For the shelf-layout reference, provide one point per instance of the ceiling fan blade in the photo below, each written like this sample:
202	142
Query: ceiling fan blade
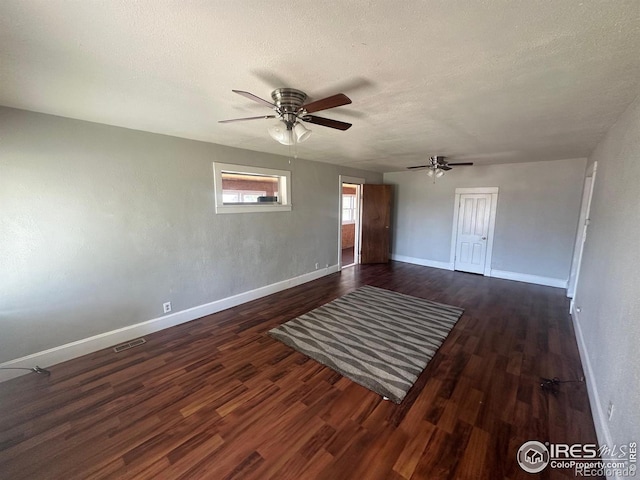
460	164
255	98
330	102
446	168
246	118
418	166
326	122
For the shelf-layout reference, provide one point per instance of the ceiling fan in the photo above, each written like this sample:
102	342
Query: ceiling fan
290	109
438	165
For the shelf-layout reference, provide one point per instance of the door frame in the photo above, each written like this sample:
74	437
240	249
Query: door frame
358	233
492	224
581	234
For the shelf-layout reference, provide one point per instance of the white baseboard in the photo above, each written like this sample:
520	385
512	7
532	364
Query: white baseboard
523	277
599	417
422	261
518	277
78	348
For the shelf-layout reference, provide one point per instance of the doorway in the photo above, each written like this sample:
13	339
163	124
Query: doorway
474	221
350	221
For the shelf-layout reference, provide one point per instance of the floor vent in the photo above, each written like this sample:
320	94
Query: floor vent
128	345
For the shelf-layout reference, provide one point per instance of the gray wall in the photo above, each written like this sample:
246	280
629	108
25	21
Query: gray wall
536	220
608	286
101	225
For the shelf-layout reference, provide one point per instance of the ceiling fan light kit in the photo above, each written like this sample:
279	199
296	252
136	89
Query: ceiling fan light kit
280	133
288	103
302	132
437	173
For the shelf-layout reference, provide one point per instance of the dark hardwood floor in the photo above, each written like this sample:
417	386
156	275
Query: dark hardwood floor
347	256
217	398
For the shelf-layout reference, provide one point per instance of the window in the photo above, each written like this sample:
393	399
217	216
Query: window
231	197
348	208
240	189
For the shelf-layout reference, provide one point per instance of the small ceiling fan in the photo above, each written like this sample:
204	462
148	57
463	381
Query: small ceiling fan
290	108
438	165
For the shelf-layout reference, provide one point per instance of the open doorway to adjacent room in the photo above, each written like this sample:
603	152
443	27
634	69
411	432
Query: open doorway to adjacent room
349	241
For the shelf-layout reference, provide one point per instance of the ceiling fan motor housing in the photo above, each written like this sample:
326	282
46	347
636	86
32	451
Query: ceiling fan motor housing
289	101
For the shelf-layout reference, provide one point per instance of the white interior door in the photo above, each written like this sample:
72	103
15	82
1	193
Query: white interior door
581	235
473	231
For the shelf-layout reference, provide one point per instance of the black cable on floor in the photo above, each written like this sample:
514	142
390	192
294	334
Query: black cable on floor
553	384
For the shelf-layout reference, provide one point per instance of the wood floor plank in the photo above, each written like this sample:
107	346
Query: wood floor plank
219	398
408	459
471	465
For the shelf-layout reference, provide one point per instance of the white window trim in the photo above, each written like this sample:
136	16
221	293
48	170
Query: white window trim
284	189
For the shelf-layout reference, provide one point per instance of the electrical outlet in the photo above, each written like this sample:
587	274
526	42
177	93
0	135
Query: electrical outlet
610	410
166	307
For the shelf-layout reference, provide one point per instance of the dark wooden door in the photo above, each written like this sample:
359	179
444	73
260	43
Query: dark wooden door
376	221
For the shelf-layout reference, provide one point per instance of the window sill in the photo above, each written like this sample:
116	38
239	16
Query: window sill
253	208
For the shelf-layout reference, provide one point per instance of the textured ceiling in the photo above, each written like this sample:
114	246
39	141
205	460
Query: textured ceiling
488	81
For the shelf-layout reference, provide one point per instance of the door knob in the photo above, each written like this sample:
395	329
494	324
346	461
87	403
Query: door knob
484	238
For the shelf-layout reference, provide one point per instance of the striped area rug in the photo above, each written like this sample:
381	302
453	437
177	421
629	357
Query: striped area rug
377	338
